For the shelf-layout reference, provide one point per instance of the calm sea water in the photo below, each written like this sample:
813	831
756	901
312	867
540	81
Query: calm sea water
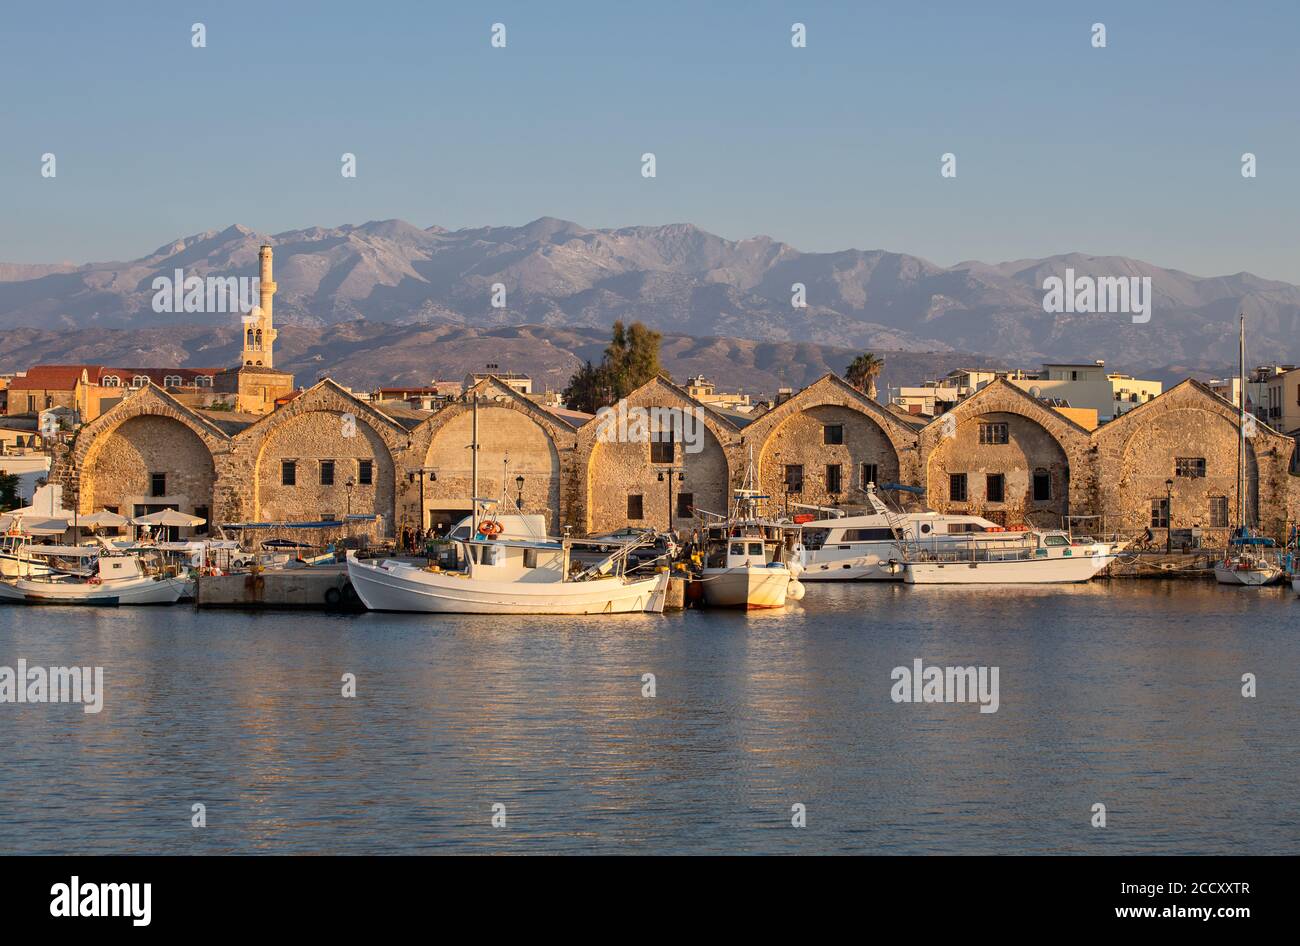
1123	693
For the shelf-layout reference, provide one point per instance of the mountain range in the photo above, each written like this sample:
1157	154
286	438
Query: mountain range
391	283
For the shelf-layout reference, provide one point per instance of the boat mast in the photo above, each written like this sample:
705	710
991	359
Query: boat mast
1241	427
473	452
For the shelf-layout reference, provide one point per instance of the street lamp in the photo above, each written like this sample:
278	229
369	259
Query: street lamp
519	500
1169	517
680	472
350	485
419	475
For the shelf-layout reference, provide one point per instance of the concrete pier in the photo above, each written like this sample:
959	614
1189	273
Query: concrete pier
320	587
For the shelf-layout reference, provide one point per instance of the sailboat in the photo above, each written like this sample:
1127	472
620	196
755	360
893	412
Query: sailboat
1248	560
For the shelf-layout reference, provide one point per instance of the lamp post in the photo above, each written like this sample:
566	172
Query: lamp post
419	475
1169	517
350	485
519	499
680	473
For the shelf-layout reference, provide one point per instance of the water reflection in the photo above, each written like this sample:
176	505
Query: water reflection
1127	693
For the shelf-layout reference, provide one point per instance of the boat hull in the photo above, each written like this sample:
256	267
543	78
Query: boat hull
404	588
858	568
746	587
109	594
1247	577
1063	570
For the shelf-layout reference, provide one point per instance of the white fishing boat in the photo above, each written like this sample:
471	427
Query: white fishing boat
743	568
507	576
750	561
17	561
1031	557
123	578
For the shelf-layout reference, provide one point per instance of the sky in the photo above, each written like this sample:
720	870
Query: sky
1134	149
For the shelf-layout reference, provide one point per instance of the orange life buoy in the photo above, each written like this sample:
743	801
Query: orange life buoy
490	527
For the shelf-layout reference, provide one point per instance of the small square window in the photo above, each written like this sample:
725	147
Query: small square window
634	506
326	472
833	434
995	487
288	473
366	472
994	433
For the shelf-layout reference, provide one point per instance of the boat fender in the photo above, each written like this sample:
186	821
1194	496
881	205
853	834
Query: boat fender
795	590
333	596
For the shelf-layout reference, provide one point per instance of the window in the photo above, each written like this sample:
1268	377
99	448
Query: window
1189	466
111	381
172	381
326	472
756	549
994	433
995	487
634	510
833	434
203	513
288	472
661	448
833	478
139	381
366	472
204	381
31	403
329	517
1042	486
157	484
1218	512
794	477
867	535
870	472
1160	513
685	505
957	487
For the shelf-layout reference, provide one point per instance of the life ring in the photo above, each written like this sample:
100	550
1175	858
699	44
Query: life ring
489	527
94	580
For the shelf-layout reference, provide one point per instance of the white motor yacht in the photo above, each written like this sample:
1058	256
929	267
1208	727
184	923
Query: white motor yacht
118	578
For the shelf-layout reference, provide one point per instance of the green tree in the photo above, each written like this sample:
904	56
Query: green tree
8	491
631	359
587	389
863	373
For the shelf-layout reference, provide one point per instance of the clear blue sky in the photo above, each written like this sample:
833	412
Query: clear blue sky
1133	149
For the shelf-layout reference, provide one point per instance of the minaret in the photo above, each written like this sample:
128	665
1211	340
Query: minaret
259	325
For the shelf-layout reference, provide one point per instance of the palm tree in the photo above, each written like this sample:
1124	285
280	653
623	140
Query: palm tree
863	371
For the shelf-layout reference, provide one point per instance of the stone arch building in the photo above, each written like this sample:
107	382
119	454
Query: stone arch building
517	439
1006	455
1174	459
323	455
625	477
826	443
147	453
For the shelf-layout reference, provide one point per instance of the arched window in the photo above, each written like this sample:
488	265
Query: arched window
172	381
204	380
111	381
258	346
139	381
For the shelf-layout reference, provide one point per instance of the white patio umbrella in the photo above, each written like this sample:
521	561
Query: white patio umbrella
44	526
169	517
104	517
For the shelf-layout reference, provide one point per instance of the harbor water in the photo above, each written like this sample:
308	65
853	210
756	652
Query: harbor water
503	734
